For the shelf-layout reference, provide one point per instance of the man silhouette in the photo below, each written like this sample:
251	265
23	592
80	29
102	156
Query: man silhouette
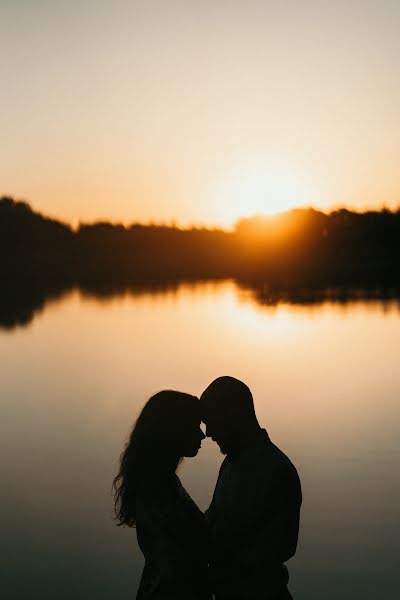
254	514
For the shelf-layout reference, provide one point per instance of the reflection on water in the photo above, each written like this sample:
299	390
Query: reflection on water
20	303
326	384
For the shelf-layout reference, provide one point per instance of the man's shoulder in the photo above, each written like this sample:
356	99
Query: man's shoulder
273	463
225	466
280	458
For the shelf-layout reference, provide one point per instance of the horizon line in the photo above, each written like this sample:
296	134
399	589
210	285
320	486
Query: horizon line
174	223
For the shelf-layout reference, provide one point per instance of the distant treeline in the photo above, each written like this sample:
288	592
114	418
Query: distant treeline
299	248
300	256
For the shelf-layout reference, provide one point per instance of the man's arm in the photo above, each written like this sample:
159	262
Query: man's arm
265	526
275	542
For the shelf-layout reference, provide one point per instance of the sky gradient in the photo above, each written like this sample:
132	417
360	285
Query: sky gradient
199	112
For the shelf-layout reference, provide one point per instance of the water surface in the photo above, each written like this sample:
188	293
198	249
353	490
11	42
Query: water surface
326	383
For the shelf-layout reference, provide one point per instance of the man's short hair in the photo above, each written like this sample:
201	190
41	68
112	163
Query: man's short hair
227	392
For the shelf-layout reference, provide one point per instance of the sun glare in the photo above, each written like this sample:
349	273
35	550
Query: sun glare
260	191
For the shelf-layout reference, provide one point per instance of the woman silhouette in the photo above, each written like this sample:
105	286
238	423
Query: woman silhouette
170	528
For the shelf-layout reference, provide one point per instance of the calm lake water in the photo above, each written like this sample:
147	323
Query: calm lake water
326	383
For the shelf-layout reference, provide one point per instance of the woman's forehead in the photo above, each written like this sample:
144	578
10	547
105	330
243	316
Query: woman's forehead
194	414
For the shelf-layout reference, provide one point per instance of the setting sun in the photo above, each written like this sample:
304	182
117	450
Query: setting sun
261	189
200	302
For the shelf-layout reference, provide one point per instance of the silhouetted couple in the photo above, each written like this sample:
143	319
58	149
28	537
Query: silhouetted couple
237	549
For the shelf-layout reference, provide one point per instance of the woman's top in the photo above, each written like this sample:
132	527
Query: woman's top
172	535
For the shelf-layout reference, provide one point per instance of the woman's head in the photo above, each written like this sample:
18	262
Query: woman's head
169	426
167	429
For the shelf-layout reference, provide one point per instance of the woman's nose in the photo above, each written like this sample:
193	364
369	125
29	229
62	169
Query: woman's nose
202	435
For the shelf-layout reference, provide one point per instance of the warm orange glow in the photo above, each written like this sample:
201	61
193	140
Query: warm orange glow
264	189
193	115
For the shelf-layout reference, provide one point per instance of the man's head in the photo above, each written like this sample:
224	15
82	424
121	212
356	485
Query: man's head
228	413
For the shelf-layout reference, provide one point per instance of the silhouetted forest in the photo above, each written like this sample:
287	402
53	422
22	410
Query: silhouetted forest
295	251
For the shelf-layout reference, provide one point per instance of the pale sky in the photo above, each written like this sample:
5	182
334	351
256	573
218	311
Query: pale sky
199	111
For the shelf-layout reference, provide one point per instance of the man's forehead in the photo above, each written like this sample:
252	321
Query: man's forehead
210	411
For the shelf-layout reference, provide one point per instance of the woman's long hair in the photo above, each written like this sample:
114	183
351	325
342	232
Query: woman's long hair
154	447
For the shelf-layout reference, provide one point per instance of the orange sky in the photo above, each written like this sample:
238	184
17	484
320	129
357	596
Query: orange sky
199	112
